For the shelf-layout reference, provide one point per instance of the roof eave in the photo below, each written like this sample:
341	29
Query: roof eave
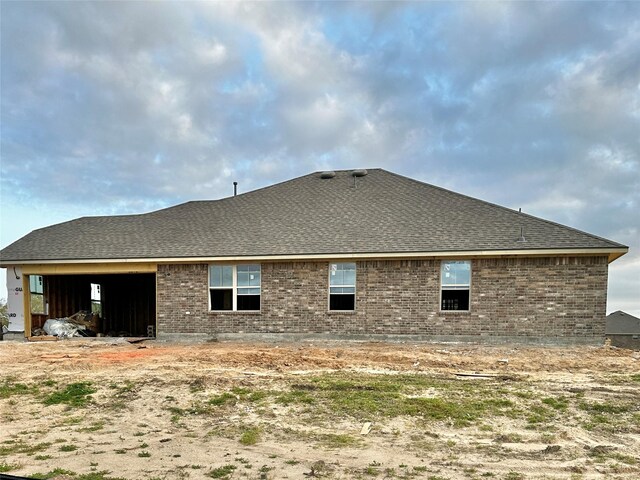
611	253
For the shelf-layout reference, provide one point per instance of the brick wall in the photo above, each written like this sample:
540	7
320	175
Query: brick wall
512	297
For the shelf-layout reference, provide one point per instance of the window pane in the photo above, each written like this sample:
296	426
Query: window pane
227	276
340	290
221	299
248	291
215	276
456	273
35	284
37	303
243	279
248	302
342	274
349	277
254	278
455	300
335	275
342	302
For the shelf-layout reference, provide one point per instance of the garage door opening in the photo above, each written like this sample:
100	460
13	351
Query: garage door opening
116	305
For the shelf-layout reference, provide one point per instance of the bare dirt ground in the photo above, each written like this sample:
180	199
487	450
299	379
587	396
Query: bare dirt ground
92	410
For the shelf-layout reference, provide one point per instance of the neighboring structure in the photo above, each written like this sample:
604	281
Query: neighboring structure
348	253
623	330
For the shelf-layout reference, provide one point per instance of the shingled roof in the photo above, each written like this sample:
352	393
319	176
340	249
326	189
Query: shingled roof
383	213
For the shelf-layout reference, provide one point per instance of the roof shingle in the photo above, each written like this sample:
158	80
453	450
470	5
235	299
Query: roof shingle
384	213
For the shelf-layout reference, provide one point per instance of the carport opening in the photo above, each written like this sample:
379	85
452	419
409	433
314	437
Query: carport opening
119	305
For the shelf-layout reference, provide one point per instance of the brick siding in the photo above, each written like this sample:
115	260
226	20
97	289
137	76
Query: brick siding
511	297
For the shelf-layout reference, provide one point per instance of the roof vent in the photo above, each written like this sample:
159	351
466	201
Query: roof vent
359	173
325	175
521	239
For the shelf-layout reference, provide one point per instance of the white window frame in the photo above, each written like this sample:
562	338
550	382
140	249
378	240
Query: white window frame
355	281
461	286
234	287
38	280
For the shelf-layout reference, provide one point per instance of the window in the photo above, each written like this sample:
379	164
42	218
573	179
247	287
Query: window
342	286
234	287
96	299
36	289
455	280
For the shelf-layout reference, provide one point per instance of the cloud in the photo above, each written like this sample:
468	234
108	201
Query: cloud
113	107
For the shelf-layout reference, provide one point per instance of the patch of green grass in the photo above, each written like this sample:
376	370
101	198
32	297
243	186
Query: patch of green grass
332	440
10	448
627	459
8	388
72	421
514	476
94	427
75	395
144	454
539	414
250	436
635	377
224	471
371	471
460	412
68	448
560	403
367	396
42	457
603	407
248	395
7	467
53	473
241	391
295	397
102	475
509	438
223	399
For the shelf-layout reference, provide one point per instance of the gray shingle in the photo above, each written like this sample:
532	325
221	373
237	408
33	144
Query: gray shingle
307	215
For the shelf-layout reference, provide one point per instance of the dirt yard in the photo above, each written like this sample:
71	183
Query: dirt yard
92	410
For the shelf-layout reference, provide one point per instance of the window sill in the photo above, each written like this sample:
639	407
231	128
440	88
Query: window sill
235	312
455	311
341	312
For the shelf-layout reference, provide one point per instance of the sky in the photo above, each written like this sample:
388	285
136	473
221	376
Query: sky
127	107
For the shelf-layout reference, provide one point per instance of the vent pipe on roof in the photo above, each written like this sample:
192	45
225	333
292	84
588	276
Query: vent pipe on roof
235	188
521	239
357	173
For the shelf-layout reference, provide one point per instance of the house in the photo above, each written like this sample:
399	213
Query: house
345	254
623	330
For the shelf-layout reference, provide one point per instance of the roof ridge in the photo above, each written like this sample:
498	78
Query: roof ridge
266	187
502	207
215	200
